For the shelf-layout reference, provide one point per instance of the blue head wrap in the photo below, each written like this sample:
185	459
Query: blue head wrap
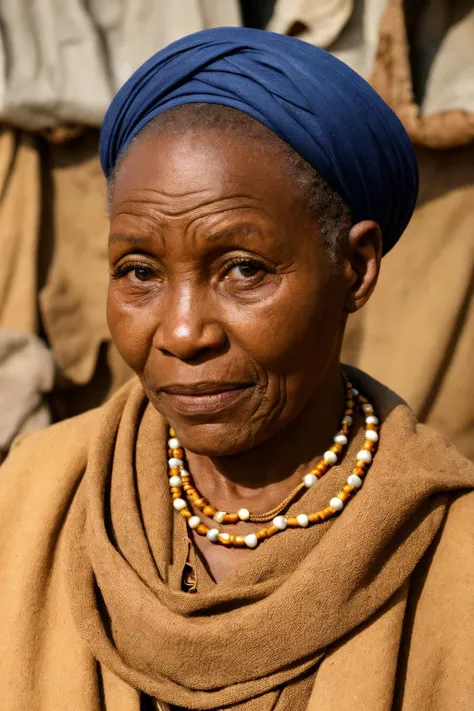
313	101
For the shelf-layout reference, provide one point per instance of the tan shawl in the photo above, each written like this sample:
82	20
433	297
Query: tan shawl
370	611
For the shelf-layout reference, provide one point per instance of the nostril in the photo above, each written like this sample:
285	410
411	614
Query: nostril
202	356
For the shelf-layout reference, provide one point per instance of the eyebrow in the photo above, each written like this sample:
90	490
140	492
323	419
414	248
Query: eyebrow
244	230
134	240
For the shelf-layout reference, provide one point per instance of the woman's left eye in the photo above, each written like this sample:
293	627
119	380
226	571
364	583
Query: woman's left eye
245	270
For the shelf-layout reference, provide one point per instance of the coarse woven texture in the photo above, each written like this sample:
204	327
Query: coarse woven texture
94	614
314	102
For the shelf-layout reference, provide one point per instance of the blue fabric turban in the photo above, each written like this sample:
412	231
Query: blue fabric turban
313	101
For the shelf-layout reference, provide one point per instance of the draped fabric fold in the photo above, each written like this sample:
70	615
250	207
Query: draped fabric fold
130	552
99	525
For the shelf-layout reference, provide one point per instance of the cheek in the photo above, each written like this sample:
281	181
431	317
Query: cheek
297	332
132	328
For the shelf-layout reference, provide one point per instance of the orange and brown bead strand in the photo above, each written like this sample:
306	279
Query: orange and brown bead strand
280	523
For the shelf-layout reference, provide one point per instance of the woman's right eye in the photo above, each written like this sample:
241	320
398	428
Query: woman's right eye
134	272
141	273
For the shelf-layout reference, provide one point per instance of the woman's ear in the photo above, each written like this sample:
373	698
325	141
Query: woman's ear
363	263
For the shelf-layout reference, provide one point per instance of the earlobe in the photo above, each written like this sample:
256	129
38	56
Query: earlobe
363	263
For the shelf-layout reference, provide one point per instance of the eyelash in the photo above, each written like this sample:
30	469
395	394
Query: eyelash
237	261
124	269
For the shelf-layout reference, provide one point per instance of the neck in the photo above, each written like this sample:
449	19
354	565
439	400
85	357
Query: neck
263	476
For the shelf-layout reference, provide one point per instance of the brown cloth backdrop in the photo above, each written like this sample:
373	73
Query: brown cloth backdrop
417	332
74	275
20	199
53	271
371	607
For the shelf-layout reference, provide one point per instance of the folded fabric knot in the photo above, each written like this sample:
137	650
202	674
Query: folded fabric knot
313	101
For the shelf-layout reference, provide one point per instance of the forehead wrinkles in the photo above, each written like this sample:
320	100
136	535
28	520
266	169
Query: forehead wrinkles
174	204
161	209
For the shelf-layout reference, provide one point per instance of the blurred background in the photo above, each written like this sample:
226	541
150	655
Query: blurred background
61	61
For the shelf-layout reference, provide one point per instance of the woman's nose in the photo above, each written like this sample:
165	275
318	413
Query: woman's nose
188	326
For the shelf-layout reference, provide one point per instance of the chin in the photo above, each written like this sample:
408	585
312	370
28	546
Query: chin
215	439
215	430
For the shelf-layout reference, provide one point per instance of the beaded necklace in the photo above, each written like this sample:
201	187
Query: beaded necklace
185	494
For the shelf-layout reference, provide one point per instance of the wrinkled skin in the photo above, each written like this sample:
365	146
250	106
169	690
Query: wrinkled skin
219	274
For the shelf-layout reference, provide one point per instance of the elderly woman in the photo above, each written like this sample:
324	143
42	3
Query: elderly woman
247	526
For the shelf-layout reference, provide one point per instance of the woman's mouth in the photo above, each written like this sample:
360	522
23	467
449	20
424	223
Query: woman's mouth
203	398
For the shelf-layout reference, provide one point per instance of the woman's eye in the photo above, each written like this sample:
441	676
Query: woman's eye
244	270
141	273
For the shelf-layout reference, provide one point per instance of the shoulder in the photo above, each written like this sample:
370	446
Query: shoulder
455	546
438	639
443	583
415	445
37	484
64	442
48	451
58	440
44	468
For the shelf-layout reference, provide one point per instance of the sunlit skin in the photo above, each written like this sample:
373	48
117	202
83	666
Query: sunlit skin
221	279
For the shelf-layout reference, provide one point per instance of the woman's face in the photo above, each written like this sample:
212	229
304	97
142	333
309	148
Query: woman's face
223	297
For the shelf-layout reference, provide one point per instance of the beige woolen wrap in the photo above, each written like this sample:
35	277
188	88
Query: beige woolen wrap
371	610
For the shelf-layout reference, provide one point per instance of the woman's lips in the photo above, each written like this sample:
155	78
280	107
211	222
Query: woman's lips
203	402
